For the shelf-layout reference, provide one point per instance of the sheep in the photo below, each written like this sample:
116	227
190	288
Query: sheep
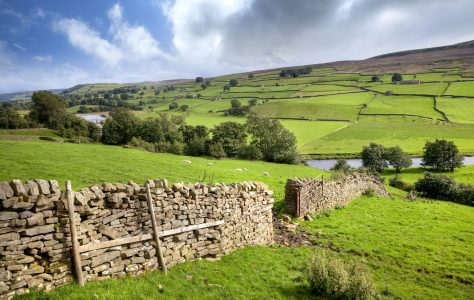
266	174
187	161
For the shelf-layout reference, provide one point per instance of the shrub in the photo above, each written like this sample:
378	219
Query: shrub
397	182
173	105
331	277
443	187
196	147
250	152
217	151
369	192
435	186
337	175
141	144
465	194
342	166
174	148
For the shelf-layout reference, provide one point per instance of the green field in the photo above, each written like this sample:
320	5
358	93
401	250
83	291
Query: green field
394	238
434	89
461	89
411	105
411	175
87	164
421	249
458	110
326	94
408	133
29	132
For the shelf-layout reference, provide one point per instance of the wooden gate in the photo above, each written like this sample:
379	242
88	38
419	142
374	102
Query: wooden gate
78	249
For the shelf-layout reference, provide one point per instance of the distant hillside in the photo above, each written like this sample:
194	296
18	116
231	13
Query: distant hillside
465	45
24	95
409	61
80	88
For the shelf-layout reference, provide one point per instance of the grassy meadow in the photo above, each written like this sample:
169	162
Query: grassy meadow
88	164
354	109
421	249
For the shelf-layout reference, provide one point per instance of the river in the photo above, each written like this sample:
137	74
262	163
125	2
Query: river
93	118
327	164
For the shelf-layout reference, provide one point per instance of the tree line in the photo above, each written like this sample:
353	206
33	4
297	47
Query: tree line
49	110
269	140
442	155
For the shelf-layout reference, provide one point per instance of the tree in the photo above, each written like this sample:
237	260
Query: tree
276	143
442	155
184	107
11	119
226	88
397	77
398	159
199	79
48	109
151	131
237	109
375	78
250	76
233	82
173	105
120	127
190	132
373	157
231	135
252	102
203	86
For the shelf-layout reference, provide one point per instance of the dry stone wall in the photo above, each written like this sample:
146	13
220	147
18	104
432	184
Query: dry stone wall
307	195
35	243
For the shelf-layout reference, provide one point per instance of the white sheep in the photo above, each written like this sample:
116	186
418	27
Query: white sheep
187	161
239	170
266	174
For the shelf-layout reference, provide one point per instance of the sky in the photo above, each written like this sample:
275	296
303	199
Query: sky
46	44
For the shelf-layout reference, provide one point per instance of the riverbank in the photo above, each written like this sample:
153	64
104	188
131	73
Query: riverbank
327	164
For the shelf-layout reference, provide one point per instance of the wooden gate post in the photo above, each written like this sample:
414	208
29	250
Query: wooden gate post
156	234
75	243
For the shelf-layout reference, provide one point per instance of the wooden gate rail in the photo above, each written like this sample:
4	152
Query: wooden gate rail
78	249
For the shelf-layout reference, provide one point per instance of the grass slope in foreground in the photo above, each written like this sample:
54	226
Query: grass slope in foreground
420	250
86	164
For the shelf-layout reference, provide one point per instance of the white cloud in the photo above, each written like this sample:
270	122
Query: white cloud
129	44
19	47
43	59
136	41
88	40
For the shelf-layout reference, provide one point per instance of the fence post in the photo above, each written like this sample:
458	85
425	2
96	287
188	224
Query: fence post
75	243
156	235
322	186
